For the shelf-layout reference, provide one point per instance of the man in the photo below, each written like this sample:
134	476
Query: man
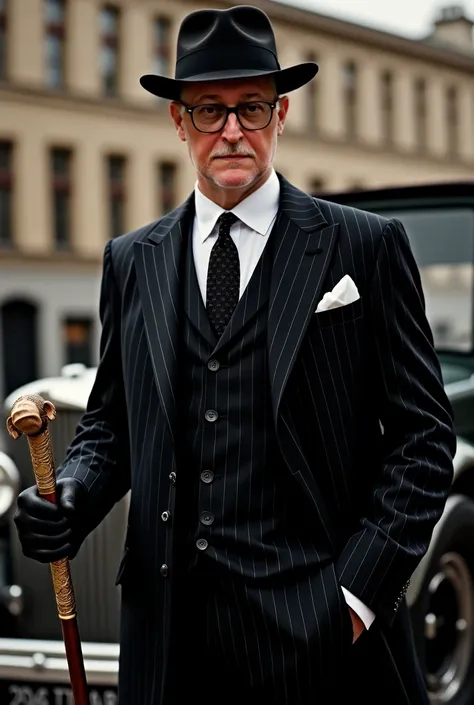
269	392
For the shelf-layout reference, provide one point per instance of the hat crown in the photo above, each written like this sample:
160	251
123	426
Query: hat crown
237	27
221	45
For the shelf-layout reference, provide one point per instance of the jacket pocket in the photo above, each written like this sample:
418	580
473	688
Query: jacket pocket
337	316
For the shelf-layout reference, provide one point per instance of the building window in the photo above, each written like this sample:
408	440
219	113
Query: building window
18	348
316	186
117	195
452	120
162	46
387	106
61	190
167	173
312	99
109	50
3	38
55	33
77	339
6	193
349	77
421	113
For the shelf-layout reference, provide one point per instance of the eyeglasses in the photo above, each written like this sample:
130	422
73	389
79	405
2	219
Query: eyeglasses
212	117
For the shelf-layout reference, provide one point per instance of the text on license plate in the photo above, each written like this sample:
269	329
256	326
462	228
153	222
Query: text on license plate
56	695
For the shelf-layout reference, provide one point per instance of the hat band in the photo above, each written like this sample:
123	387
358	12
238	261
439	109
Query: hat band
237	58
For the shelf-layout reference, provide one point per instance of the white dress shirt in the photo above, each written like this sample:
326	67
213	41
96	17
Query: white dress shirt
256	215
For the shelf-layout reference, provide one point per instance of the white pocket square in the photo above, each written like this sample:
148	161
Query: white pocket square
345	292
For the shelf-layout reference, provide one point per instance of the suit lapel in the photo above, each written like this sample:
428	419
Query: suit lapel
303	247
158	265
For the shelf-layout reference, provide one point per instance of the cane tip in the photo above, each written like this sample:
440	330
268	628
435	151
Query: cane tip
29	415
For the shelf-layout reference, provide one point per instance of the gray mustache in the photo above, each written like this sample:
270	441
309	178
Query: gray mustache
231	153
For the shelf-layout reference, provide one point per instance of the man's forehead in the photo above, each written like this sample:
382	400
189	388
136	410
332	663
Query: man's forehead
232	89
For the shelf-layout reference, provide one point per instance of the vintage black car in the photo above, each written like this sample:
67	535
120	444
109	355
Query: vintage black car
439	219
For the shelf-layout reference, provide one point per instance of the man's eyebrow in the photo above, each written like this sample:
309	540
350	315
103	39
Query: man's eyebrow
206	97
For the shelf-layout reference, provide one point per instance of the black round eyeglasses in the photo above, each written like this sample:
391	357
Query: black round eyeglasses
212	117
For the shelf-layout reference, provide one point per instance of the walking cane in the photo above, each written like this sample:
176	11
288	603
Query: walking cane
30	416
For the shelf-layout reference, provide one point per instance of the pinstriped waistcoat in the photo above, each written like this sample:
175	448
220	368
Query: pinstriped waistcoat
244	515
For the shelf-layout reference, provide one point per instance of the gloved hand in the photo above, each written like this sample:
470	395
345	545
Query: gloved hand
48	531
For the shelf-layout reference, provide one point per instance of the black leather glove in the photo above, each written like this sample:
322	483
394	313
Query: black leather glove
48	531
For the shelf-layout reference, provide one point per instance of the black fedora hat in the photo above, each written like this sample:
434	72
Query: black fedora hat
215	45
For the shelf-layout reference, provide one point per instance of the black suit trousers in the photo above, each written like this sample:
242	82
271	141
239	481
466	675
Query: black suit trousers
197	672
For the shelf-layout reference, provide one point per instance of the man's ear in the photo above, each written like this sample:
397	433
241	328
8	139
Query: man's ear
177	115
283	105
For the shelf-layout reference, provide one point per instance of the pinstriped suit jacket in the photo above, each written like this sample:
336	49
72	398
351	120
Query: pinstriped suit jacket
356	394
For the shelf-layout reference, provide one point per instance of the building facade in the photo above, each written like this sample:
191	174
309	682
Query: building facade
86	153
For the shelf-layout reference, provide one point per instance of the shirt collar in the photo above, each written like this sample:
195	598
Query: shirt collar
257	211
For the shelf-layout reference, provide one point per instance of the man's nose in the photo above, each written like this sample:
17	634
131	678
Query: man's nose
232	131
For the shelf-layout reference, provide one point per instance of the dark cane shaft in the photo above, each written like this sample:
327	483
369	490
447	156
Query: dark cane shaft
30	415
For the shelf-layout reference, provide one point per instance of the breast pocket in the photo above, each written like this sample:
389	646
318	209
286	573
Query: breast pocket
340	315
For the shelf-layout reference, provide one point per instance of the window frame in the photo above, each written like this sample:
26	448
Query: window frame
452	98
167	191
117	193
387	105
110	41
7	186
421	112
4	40
56	31
162	45
350	70
62	193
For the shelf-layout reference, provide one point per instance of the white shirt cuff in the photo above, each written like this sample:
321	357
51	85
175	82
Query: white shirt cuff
361	610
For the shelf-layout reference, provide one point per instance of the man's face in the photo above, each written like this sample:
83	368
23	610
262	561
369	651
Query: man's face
234	157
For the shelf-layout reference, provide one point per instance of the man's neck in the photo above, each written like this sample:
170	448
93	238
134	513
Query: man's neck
229	198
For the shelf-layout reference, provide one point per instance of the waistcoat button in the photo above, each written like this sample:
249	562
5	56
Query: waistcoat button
172	477
207	518
211	415
165	516
207	476
202	544
164	570
213	365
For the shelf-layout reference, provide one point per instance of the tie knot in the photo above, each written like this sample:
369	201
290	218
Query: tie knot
226	220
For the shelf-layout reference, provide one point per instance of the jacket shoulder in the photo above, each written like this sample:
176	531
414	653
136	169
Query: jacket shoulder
350	217
139	235
121	247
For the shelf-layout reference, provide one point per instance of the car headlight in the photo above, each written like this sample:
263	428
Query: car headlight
9	483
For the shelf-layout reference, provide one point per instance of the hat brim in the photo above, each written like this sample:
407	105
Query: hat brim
286	80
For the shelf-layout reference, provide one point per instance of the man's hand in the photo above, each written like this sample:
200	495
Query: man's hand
48	531
357	625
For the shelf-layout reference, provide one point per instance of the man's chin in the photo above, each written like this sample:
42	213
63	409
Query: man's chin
234	177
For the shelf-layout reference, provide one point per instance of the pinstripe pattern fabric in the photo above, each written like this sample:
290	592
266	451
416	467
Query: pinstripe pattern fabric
371	498
252	522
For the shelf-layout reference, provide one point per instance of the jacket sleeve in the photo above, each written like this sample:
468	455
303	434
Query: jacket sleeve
418	442
99	453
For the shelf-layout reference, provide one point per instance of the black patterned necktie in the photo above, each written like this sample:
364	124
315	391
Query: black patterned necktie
223	276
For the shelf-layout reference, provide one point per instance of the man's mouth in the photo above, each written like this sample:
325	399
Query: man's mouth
231	157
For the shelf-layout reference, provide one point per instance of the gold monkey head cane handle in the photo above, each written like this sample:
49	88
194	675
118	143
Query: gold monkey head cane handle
30	416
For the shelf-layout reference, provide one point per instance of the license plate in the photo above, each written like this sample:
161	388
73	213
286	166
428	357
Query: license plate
50	694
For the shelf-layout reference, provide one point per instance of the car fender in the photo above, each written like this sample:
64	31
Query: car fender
463	462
